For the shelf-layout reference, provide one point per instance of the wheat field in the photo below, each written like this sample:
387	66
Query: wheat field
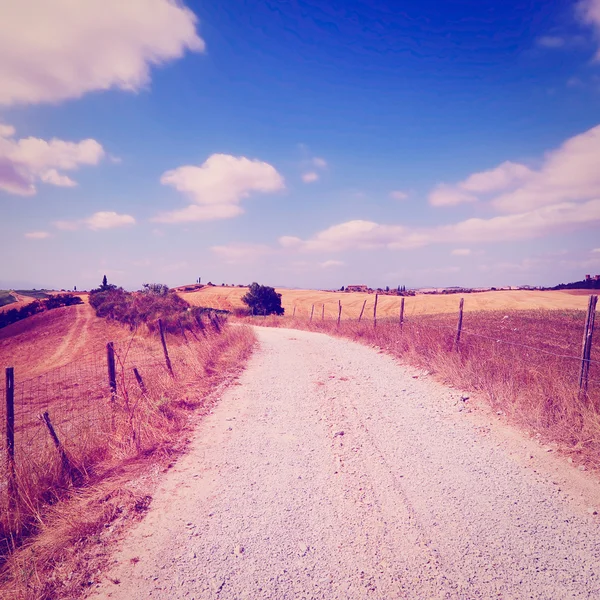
229	298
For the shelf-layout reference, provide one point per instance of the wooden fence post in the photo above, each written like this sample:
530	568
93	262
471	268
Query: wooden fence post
294	313
375	311
112	371
10	436
66	465
402	313
312	310
323	313
459	327
140	381
183	332
339	312
164	345
586	351
362	310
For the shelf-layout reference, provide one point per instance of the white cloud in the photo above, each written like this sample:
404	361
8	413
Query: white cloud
26	161
310	177
352	234
108	220
241	253
461	252
504	176
320	163
569	173
217	187
99	220
550	41
589	12
596	250
290	241
535	223
53	177
447	195
37	235
6	130
328	264
398	195
60	49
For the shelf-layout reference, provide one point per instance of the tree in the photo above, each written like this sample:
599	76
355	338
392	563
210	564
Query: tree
263	300
387	288
158	289
104	283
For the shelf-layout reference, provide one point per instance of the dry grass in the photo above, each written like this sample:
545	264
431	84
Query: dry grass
524	363
102	439
229	298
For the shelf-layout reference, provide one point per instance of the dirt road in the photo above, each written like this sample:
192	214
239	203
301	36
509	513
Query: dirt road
332	472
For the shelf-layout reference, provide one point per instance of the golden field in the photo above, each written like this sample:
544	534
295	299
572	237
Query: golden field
229	298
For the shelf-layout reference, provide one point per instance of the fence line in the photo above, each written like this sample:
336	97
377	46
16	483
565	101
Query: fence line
69	416
404	321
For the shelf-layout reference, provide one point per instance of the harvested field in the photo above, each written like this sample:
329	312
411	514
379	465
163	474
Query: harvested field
229	298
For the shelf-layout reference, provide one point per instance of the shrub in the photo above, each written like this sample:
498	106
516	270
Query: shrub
155	301
263	300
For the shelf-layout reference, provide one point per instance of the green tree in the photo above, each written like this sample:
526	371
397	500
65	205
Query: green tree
104	283
263	300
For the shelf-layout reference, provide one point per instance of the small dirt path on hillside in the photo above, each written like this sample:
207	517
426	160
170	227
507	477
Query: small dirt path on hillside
333	472
74	342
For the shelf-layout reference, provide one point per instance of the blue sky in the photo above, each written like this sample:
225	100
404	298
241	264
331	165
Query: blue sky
301	144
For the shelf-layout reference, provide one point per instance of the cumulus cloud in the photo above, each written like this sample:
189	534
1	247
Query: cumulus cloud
448	195
217	187
26	161
99	220
461	252
589	13
37	235
239	253
504	176
352	234
320	163
52	51
535	223
398	195
53	177
310	177
550	41
328	264
569	173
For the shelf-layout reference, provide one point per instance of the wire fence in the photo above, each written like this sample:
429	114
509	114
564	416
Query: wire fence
536	344
58	425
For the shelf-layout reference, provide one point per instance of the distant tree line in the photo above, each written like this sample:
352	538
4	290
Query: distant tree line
37	306
584	284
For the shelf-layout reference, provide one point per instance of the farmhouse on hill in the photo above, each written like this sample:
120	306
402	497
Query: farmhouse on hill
357	288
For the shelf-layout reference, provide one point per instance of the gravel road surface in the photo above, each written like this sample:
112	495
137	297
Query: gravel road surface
331	471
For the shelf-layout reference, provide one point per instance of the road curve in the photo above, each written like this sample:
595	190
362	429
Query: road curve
331	472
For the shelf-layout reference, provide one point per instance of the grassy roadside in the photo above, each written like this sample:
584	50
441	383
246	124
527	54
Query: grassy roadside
523	363
69	529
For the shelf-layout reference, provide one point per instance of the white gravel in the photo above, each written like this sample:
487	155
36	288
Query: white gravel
331	472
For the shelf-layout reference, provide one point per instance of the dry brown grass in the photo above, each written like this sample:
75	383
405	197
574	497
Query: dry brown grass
229	298
102	439
524	363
